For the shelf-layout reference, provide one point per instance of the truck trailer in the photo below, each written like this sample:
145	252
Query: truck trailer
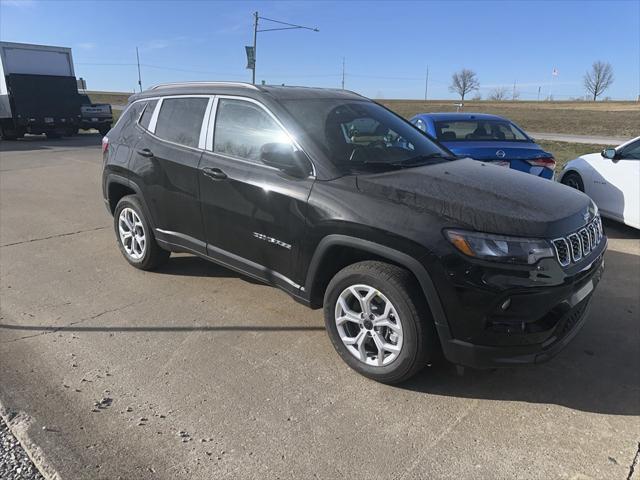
38	91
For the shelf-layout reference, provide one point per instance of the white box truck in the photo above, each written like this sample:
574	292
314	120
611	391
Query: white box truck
38	91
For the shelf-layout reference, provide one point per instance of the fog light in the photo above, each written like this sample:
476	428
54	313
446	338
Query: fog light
506	304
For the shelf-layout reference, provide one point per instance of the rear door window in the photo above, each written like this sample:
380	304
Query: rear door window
180	120
148	113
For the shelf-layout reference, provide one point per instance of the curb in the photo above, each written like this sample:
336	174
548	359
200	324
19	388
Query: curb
19	424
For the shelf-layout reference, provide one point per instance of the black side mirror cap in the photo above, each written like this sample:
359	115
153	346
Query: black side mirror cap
286	158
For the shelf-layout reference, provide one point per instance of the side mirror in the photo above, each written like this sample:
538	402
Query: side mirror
285	158
609	153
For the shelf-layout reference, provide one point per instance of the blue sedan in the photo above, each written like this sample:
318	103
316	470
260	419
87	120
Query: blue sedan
488	138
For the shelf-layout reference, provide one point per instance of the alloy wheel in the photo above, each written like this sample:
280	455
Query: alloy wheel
368	325
132	234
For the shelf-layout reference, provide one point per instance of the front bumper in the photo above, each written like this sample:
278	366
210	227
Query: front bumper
554	315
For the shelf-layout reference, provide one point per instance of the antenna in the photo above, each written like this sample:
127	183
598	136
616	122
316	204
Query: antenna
139	77
426	85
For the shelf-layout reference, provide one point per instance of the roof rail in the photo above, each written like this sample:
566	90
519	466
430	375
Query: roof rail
205	84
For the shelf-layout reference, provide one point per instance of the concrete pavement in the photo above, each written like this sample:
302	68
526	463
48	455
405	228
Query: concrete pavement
194	372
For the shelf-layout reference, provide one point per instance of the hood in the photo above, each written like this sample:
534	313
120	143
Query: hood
485	197
487	150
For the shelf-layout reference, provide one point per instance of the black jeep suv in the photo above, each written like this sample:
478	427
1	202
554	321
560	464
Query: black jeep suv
346	206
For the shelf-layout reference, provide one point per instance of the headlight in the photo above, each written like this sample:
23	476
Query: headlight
499	248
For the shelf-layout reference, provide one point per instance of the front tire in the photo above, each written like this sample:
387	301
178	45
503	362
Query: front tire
379	322
573	180
135	236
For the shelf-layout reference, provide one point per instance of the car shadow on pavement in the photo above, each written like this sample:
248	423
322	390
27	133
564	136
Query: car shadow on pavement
194	266
41	142
163	329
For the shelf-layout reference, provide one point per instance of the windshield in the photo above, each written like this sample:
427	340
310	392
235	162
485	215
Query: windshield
479	131
362	135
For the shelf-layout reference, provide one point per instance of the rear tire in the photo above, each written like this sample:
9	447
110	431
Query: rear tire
135	235
7	134
392	338
573	180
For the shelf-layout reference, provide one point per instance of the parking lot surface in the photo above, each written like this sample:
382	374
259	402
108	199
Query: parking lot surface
196	372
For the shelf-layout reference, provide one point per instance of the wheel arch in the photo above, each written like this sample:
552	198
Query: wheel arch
325	263
117	186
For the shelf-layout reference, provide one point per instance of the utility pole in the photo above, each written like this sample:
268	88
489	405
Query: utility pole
288	26
342	73
513	95
426	85
139	77
255	44
539	93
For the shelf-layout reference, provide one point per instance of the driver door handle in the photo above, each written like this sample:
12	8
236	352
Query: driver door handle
145	152
214	173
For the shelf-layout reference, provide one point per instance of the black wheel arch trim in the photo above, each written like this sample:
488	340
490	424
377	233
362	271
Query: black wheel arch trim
398	257
112	178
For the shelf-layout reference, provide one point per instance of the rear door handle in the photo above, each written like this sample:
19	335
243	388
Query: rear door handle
145	152
214	173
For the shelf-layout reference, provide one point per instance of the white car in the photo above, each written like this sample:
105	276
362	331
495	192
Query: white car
611	179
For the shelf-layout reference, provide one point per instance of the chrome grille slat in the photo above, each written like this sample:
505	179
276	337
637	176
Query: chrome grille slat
577	245
562	251
586	241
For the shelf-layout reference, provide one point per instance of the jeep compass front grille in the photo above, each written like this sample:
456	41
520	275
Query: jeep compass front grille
577	245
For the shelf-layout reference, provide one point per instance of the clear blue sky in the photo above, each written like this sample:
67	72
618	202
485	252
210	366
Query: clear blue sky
387	45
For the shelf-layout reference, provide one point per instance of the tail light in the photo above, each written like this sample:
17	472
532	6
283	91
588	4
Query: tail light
548	162
105	145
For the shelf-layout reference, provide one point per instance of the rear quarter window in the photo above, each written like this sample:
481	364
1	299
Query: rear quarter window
147	114
180	120
124	126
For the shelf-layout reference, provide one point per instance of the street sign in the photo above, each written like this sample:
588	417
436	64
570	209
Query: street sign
251	57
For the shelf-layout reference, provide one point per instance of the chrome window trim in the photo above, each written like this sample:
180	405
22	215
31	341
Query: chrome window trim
212	125
154	118
205	125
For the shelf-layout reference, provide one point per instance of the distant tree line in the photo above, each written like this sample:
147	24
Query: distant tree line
596	80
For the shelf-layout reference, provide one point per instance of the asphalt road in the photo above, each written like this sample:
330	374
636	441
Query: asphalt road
194	372
572	138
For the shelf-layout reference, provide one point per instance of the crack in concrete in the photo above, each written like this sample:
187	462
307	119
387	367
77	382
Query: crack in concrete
634	463
53	236
48	330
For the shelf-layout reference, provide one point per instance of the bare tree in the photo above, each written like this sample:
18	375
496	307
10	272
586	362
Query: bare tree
598	79
498	94
463	82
